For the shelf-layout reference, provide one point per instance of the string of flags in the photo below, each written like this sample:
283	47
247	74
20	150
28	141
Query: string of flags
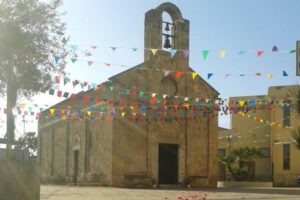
238	134
156	103
74	51
205	52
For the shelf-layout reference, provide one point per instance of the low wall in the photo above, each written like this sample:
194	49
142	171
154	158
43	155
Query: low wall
244	184
19	180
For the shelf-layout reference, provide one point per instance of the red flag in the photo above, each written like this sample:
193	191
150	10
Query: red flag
179	73
259	53
59	93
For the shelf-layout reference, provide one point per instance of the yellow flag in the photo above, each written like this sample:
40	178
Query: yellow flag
241	102
89	113
123	114
194	74
269	76
52	110
132	107
154	51
222	53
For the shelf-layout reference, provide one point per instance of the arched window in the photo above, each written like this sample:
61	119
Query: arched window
167	31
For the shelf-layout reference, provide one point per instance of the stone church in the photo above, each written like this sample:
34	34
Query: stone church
147	152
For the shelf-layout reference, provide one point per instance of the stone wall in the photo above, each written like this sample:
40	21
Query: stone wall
19	180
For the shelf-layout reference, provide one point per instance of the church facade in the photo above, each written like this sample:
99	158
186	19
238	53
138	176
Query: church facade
151	141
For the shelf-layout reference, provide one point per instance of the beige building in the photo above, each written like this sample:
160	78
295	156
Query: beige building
268	127
133	148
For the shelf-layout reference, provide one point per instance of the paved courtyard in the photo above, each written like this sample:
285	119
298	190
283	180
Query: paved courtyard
107	193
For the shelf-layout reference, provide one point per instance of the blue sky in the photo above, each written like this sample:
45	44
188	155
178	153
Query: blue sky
215	25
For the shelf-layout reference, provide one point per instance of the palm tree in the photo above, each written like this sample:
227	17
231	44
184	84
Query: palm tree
239	157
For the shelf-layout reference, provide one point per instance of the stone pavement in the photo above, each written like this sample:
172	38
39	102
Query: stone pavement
107	193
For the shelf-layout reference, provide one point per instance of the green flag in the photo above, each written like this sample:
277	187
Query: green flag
205	54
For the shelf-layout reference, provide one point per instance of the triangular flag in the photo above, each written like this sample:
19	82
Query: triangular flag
90	63
179	73
74	47
57	58
107	64
94	47
241	102
274	49
173	52
57	79
123	114
269	76
66	80
194	74
205	54
186	53
52	110
284	73
241	52
154	51
257	74
227	75
73	60
134	49
113	48
259	53
209	75
293	51
166	72
89	112
222	53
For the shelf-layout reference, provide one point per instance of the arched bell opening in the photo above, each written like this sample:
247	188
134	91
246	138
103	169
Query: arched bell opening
168	30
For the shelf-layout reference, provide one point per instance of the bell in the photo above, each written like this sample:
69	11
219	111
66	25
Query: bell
167	44
167	27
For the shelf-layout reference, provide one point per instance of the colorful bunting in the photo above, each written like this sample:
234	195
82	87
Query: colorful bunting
90	62
57	58
292	51
209	75
205	54
166	72
172	52
154	51
241	52
94	47
186	53
113	48
52	110
222	53
194	74
284	73
259	53
269	76
73	60
179	73
274	49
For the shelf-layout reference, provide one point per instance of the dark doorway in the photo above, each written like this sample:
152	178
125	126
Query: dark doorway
168	164
76	152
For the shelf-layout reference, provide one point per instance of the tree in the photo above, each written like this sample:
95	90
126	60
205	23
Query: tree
295	94
296	136
236	159
29	141
31	36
